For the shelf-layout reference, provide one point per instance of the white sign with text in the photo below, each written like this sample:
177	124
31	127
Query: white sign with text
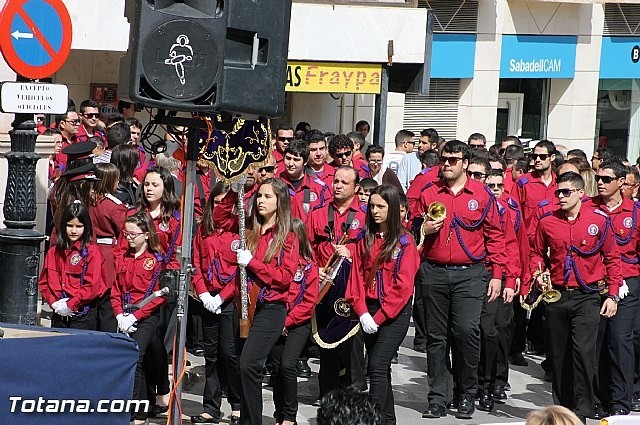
33	98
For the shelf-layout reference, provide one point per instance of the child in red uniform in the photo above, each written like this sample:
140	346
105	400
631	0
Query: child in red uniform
303	294
71	280
137	273
215	282
380	288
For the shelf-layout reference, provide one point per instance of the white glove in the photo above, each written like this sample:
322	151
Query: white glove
62	309
126	323
244	257
623	291
368	324
210	302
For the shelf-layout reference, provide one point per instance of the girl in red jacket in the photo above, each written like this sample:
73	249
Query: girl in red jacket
71	278
380	289
215	281
137	273
301	302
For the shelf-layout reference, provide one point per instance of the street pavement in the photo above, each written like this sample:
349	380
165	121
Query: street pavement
528	391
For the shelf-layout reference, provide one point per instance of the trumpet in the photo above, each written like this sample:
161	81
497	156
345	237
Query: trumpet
548	294
436	211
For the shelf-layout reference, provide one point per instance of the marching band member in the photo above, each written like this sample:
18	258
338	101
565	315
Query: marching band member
582	253
380	287
619	329
454	278
332	229
138	270
215	281
303	294
71	279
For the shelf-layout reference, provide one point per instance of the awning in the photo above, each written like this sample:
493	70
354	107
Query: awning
589	1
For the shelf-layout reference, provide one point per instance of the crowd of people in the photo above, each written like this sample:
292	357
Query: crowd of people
493	252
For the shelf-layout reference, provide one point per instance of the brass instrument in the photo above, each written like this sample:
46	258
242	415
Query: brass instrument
548	294
436	211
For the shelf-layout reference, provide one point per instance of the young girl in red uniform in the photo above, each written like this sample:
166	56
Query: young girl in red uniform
71	278
271	259
303	294
108	214
380	289
215	282
137	273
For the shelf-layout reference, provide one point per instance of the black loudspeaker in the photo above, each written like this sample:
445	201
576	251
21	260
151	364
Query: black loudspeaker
207	55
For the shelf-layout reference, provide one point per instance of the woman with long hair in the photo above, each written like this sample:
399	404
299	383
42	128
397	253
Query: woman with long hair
380	287
108	214
215	282
271	258
71	278
125	158
138	271
301	303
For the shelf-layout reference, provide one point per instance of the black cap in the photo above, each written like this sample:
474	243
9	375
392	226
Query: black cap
84	172
79	150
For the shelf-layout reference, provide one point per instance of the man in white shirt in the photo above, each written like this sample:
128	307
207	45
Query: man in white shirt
410	165
404	145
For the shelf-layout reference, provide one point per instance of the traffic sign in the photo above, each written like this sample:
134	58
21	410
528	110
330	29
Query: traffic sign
33	98
35	36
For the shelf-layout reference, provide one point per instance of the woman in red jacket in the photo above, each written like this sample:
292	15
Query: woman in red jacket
137	273
303	294
215	281
380	289
71	278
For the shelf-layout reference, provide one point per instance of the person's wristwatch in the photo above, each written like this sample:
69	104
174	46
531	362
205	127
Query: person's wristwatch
615	298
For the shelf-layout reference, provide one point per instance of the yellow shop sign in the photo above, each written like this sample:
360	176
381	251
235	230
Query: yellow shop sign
323	77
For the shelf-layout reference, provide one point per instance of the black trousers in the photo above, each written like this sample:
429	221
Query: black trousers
195	333
488	345
419	320
284	355
156	362
571	328
143	336
381	347
88	322
268	323
617	361
106	317
221	340
504	323
453	304
332	362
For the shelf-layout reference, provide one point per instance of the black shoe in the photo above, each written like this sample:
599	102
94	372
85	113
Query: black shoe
158	410
434	411
235	420
316	402
618	411
499	395
466	407
394	359
202	420
420	347
302	369
598	412
199	352
486	403
635	404
518	360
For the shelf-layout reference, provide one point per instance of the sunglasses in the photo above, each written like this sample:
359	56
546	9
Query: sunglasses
605	179
267	169
476	146
343	154
91	115
284	139
477	175
495	185
593	158
72	122
451	160
564	192
540	156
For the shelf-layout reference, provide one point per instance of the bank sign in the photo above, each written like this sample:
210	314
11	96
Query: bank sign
538	56
620	58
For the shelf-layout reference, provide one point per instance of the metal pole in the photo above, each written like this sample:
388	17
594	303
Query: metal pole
244	291
20	242
186	270
380	117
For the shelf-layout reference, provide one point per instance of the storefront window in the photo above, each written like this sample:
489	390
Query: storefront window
534	107
613	117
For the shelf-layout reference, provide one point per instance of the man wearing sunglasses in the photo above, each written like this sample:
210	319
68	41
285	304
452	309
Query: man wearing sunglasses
68	125
341	150
454	279
284	136
537	185
624	217
583	254
89	116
